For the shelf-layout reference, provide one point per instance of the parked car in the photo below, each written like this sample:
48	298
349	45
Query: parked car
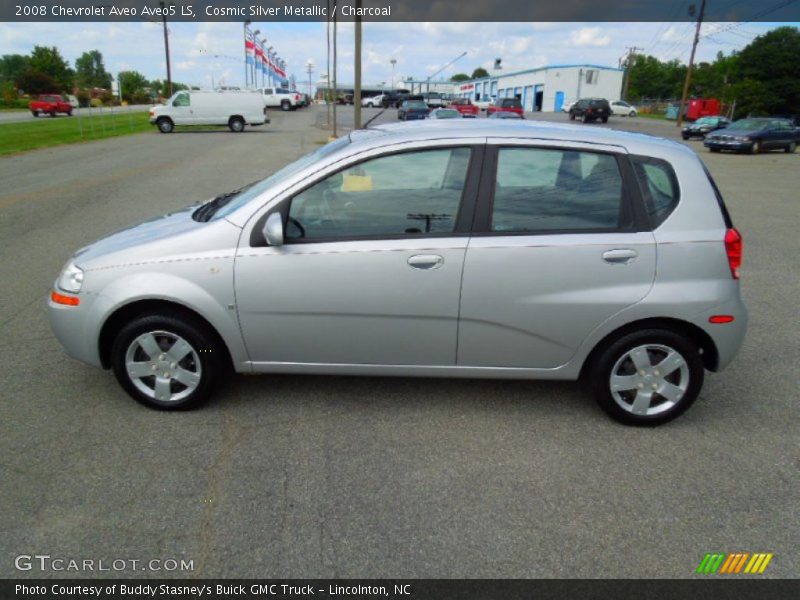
277	97
50	104
413	109
381	239
755	135
483	104
590	109
703	126
506	114
372	101
395	98
505	105
433	99
234	109
465	107
623	109
444	113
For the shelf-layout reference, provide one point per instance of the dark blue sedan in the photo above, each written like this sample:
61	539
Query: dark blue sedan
412	109
755	135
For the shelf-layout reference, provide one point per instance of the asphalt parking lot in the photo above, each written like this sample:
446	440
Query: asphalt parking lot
289	476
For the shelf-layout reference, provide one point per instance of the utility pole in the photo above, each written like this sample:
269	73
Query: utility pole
328	71
166	47
691	59
246	70
627	74
357	70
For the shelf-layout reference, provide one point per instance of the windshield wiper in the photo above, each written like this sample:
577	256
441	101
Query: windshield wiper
207	210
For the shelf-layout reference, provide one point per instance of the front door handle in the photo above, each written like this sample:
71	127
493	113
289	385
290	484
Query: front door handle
425	262
620	255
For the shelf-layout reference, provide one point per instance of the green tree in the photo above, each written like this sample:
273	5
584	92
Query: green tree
90	72
652	78
480	72
771	59
35	82
459	77
50	62
12	66
133	84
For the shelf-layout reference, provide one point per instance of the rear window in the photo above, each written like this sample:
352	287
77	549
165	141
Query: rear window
659	187
510	103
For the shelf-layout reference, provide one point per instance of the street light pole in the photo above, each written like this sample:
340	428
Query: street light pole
357	71
246	77
394	62
335	88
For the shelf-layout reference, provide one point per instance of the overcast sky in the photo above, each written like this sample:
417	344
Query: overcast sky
420	48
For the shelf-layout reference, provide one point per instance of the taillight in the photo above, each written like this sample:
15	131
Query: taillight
297	97
733	248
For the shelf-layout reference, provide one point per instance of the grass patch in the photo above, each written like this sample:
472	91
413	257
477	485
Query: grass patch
46	132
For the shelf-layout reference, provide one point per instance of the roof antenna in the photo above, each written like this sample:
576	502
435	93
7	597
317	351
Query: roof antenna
373	118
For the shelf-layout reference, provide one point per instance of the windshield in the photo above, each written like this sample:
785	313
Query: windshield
748	124
257	189
706	121
416	104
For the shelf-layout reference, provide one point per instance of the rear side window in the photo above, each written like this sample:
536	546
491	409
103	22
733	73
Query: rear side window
545	190
659	187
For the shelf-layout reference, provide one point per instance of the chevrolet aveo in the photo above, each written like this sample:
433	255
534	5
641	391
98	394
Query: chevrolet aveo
436	249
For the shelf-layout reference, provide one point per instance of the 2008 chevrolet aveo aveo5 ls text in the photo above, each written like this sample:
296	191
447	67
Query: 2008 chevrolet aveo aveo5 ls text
485	249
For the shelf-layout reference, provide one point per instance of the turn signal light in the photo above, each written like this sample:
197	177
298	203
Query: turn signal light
62	299
720	319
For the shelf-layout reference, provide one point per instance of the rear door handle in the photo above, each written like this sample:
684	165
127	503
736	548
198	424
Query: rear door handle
620	255
425	262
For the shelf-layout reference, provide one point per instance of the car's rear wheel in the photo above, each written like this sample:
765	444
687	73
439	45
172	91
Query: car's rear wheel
647	377
35	113
236	124
632	113
571	116
790	149
169	362
165	125
604	119
286	105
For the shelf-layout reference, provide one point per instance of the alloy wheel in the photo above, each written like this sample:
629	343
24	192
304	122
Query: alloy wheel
649	379
163	366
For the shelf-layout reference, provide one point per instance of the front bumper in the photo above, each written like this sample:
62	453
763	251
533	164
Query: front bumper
75	330
727	144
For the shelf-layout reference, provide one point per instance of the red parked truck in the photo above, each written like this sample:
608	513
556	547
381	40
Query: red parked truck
506	105
465	107
50	104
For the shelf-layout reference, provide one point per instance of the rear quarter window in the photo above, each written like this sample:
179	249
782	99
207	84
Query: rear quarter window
659	187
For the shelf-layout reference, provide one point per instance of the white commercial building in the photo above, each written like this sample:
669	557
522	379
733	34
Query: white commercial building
546	88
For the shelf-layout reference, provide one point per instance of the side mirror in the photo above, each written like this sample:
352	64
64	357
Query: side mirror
273	229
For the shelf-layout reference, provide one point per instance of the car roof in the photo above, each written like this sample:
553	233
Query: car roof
499	128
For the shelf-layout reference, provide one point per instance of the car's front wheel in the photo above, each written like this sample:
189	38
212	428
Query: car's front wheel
165	125
790	149
647	377
236	124
168	362
756	147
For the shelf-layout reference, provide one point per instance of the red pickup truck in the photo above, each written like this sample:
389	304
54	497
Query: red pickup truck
465	107
506	105
50	104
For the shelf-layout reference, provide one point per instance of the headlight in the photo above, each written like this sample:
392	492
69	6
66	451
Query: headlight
71	278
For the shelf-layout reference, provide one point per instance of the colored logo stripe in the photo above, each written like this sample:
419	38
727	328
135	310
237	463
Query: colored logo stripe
734	562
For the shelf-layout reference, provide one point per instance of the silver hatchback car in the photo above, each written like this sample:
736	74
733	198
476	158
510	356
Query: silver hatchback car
473	249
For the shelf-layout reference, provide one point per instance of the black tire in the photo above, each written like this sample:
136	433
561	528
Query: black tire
206	351
53	114
571	116
585	118
632	113
286	106
165	125
790	149
714	149
35	113
756	147
685	137
604	119
236	124
69	113
613	360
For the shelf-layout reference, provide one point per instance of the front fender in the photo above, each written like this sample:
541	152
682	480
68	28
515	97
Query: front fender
213	300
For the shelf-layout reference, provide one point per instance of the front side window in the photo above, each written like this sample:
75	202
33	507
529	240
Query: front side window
408	194
541	190
181	100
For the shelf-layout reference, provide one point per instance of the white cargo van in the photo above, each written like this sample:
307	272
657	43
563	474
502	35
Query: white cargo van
234	109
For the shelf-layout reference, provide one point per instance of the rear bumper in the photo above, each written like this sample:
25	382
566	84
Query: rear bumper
727	337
